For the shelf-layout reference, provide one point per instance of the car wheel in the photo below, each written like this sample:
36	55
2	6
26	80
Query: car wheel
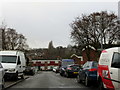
31	73
61	74
67	75
78	79
101	87
22	76
16	77
86	81
3	84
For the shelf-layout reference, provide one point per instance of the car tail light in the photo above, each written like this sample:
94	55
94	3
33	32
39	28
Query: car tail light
93	69
69	68
104	51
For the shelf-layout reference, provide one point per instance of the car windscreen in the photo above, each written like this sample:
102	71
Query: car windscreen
74	67
8	59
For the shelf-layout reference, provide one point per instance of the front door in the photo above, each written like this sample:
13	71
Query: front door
115	70
19	67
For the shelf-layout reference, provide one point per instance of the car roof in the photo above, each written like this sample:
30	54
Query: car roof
73	65
9	52
91	61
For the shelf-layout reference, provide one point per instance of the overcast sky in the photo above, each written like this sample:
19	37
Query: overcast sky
42	22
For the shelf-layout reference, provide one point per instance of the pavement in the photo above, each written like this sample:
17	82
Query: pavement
11	83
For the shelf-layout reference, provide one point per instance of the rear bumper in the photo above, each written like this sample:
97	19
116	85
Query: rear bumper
72	73
92	77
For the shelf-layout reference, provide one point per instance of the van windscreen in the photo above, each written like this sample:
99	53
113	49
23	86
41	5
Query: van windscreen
8	59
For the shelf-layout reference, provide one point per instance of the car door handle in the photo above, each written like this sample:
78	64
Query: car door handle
20	66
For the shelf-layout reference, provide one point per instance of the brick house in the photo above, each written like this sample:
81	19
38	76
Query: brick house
90	53
77	59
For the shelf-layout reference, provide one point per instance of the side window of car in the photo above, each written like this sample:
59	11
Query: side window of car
86	65
116	60
94	64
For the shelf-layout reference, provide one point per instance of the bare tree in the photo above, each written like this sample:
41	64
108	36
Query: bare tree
95	29
21	44
11	38
14	41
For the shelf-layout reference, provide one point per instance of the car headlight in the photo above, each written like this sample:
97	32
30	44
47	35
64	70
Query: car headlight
63	69
11	70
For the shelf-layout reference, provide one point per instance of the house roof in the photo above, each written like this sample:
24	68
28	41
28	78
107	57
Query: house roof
91	47
74	55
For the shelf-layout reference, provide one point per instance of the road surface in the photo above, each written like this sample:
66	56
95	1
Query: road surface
49	79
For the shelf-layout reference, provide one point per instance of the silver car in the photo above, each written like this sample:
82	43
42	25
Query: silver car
2	73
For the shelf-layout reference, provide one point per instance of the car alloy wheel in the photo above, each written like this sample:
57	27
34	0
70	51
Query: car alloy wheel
67	75
78	79
86	81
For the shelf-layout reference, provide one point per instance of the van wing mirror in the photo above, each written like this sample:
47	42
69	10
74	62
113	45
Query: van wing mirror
81	69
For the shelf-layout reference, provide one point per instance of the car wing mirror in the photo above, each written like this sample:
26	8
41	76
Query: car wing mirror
80	69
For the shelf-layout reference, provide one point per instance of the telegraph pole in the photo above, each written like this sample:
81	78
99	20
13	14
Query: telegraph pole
3	27
3	39
119	19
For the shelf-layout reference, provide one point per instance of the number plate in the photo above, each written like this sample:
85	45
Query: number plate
75	72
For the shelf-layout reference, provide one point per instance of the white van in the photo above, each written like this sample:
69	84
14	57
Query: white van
14	63
109	69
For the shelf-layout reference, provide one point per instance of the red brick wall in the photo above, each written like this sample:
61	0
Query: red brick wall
93	55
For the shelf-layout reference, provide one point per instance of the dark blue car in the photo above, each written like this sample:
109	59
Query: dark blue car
64	64
88	73
72	70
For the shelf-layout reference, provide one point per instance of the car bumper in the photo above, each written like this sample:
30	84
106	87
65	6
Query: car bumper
92	77
9	75
72	73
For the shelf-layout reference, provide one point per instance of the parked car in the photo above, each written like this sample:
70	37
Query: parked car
72	70
14	63
29	70
64	64
2	73
88	73
56	69
109	69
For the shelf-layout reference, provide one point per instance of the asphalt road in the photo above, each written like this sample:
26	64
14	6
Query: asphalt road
49	79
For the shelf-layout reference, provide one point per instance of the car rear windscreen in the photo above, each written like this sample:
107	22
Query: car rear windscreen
67	62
